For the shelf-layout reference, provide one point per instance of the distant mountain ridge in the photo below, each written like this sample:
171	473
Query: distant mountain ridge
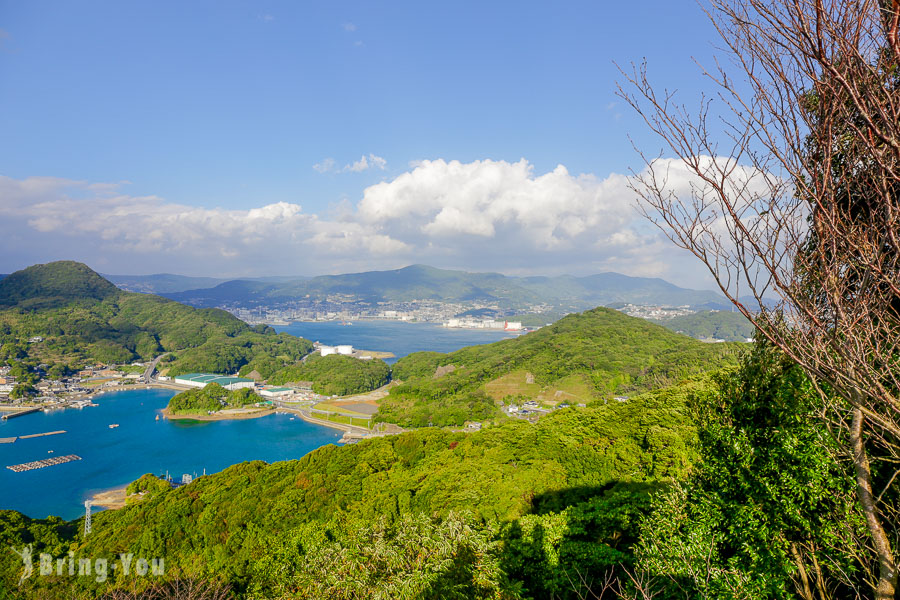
421	282
168	283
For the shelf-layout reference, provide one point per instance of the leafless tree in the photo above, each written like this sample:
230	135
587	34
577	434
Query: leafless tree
175	589
793	206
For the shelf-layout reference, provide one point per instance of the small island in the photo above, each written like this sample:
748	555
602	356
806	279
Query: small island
213	402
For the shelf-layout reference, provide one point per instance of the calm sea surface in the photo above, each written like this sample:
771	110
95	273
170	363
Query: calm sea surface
394	336
140	444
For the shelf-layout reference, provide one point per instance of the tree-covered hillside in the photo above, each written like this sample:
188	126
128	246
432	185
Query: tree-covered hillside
602	350
709	324
336	375
84	319
572	487
53	284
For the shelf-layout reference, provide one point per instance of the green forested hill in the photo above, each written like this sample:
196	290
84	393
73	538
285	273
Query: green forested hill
83	319
565	493
592	355
336	375
708	324
53	284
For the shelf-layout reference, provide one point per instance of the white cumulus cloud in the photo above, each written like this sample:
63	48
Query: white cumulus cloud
486	198
484	215
59	218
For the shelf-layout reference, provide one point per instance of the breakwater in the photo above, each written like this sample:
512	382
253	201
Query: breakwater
34	435
25	411
10	440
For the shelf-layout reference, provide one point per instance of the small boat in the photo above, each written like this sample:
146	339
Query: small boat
49	451
157	417
114	425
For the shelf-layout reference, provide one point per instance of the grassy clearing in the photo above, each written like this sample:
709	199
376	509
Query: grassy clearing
512	384
346	420
572	389
337	408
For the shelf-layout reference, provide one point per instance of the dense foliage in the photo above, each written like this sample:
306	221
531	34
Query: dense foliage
147	484
210	398
18	533
614	353
415	557
769	511
336	375
721	325
83	319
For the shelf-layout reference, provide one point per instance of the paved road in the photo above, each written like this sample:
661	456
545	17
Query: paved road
148	373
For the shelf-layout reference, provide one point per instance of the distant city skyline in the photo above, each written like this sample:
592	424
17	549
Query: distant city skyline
227	139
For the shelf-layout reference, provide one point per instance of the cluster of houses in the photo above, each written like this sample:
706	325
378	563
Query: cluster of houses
532	410
471	323
53	390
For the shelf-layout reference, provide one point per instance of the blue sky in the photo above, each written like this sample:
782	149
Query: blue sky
281	137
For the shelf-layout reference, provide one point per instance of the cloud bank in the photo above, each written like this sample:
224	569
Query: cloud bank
483	216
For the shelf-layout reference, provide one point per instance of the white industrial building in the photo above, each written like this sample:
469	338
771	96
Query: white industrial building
200	380
275	392
345	350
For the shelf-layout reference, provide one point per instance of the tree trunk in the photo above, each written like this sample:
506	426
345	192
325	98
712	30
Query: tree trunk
887	569
803	585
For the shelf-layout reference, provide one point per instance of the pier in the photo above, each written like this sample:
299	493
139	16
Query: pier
40	464
34	435
25	411
10	440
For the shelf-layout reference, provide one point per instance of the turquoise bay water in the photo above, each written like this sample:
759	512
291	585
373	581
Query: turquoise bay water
115	457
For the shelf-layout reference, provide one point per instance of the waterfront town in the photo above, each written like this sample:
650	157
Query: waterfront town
348	308
474	315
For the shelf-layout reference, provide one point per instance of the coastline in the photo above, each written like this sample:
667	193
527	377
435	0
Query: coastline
339	426
129	388
219	416
111	499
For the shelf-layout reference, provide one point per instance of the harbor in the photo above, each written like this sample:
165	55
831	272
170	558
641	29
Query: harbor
112	458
